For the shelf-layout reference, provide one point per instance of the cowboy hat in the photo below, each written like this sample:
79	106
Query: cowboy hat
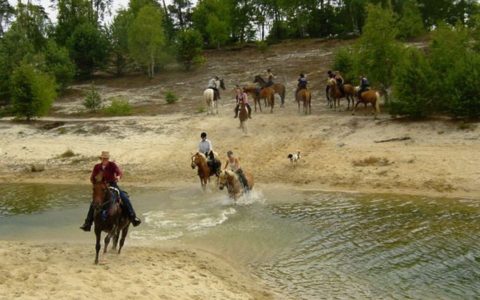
105	154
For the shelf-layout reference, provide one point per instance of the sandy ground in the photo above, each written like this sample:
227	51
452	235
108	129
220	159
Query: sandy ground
154	147
37	271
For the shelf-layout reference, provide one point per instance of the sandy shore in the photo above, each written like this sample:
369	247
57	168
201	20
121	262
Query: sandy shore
66	271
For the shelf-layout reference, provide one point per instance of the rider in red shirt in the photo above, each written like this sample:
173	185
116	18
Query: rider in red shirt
111	173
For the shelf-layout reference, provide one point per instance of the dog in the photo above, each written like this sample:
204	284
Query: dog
294	157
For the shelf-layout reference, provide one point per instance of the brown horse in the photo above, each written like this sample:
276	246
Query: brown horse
230	180
199	160
109	217
277	87
305	96
336	94
267	94
369	96
243	117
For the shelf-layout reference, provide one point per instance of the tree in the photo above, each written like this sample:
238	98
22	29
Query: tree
377	49
58	64
118	37
189	47
410	23
71	14
146	39
6	13
217	31
212	19
33	91
88	48
182	11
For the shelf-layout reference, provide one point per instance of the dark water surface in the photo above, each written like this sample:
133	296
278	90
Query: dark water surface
308	245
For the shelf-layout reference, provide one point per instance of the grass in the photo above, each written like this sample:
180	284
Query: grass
201	109
170	97
371	161
67	154
119	107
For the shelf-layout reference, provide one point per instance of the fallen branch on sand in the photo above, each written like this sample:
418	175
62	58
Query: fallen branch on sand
394	139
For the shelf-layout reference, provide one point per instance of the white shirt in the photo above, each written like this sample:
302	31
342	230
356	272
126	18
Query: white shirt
205	146
212	83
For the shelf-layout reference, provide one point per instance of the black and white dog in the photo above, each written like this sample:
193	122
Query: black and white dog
294	157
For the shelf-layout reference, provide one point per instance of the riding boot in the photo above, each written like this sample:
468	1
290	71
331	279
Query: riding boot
131	212
243	179
236	111
87	226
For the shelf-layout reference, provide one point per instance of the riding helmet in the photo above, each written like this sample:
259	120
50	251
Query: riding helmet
203	135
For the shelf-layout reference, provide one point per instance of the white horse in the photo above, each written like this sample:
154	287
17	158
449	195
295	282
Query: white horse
209	98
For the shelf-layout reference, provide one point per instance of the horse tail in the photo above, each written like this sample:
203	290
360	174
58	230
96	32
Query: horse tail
377	102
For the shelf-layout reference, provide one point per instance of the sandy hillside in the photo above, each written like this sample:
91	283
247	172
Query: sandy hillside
340	151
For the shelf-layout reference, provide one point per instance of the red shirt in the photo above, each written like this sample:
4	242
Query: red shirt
110	172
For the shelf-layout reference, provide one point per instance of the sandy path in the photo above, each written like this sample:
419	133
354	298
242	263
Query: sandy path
65	271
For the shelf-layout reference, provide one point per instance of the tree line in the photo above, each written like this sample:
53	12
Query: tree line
148	34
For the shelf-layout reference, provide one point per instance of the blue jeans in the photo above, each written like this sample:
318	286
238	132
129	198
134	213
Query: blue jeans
125	199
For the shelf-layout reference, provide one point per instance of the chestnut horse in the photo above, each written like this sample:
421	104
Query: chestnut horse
268	94
243	117
277	87
199	160
369	96
305	96
109	217
209	97
230	180
336	94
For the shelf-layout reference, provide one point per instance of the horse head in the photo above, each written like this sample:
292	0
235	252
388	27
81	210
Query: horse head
100	193
198	159
258	79
222	179
222	84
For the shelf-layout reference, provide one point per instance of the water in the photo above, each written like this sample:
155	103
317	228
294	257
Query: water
306	245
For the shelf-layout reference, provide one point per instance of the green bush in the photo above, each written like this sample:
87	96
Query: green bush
119	107
93	100
410	23
170	97
262	46
59	64
345	63
412	87
189	48
33	91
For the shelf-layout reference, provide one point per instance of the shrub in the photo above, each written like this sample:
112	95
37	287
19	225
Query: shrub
262	46
170	97
189	48
410	23
67	154
59	64
345	63
119	107
33	92
93	100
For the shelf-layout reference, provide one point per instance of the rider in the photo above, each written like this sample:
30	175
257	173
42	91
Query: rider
111	174
270	77
364	85
234	164
302	83
330	75
340	82
205	147
241	97
212	84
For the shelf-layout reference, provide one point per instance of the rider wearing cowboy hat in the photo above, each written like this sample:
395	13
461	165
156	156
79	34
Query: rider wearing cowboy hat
110	174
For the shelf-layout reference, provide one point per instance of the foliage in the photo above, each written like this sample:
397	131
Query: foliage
189	47
146	39
212	19
33	91
88	48
118	38
344	62
93	100
71	14
410	23
118	107
170	97
58	64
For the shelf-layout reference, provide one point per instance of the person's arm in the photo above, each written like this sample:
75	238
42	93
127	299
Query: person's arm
226	165
237	162
117	171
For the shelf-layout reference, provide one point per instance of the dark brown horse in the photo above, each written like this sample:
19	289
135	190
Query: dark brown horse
369	96
267	94
109	217
199	161
305	96
336	94
277	87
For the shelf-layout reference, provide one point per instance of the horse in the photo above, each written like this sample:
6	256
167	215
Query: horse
268	94
277	87
368	96
305	96
336	94
209	97
243	117
230	180
109	217
199	160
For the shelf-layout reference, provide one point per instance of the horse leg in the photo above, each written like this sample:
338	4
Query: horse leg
107	241
355	108
122	240
115	240
98	234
